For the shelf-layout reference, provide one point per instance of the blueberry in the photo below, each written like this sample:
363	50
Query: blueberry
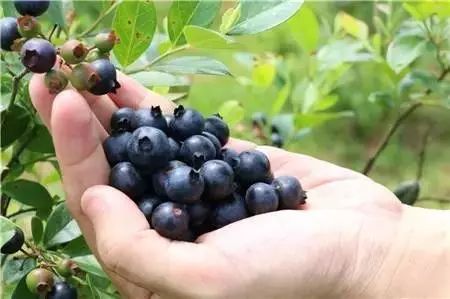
38	55
66	267
14	244
289	192
170	220
31	7
148	148
28	26
229	211
197	144
198	212
106	77
39	281
147	204
127	179
159	177
62	290
115	147
219	179
215	142
261	198
230	156
259	119
151	117
174	150
123	119
216	126
73	51
253	166
186	122
105	41
188	236
184	185
276	140
55	81
83	76
9	32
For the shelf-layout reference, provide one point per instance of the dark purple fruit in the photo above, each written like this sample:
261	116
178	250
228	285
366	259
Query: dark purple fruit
199	145
230	156
105	41
216	126
55	80
171	220
253	166
115	147
14	244
290	192
215	142
123	120
186	123
39	281
219	180
261	198
106	77
31	7
127	179
28	26
174	149
159	177
229	211
73	51
9	33
198	212
151	117
63	290
184	185
38	55
147	204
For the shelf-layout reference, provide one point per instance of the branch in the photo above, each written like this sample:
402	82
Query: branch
15	87
425	139
52	32
99	19
21	212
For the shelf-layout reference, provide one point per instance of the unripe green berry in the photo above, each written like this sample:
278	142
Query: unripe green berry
106	41
28	26
97	54
83	76
39	281
73	52
55	80
66	267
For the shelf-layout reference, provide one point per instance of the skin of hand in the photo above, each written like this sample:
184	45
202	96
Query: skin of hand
352	239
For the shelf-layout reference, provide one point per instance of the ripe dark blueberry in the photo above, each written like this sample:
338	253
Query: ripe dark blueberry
39	281
38	55
174	149
62	290
115	147
105	41
216	126
188	236
28	26
261	198
253	166
148	148
159	177
151	117
259	119
170	220
198	212
105	79
123	119
184	185
14	244
289	192
56	81
31	7
229	211
230	156
186	122
9	33
127	179
147	204
276	140
219	179
73	51
215	142
197	144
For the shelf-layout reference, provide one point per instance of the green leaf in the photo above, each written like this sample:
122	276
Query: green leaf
305	28
203	38
30	193
135	24
14	269
408	192
229	18
37	228
183	13
315	119
7	230
263	74
413	11
351	25
259	16
282	96
56	13
21	291
382	98
60	227
191	65
41	142
77	247
232	112
311	96
89	264
14	123
403	50
154	78
325	103
8	8
341	51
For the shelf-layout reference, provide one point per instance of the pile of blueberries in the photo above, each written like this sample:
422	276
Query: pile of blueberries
86	68
180	175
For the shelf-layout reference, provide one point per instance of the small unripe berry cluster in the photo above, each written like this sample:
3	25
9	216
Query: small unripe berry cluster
85	68
41	281
180	175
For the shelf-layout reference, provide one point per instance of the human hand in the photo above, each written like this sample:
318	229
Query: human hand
350	229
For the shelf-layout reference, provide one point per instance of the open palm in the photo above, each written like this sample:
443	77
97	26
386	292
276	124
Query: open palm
276	255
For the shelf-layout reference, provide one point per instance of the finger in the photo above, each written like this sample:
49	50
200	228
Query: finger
128	247
41	98
102	106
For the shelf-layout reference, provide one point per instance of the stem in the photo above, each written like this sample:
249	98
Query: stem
21	212
52	32
15	86
426	138
99	19
158	59
27	253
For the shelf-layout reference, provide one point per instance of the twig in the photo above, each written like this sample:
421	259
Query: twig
15	86
99	19
422	154
21	212
52	32
27	253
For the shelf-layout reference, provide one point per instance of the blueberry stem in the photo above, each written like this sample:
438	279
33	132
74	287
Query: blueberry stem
15	86
52	32
99	19
21	212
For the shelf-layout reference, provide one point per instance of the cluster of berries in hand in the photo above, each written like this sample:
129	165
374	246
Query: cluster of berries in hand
180	175
85	68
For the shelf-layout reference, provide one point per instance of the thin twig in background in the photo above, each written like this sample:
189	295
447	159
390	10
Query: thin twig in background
422	154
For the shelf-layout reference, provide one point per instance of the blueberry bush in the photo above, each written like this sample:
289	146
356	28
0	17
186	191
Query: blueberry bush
364	84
